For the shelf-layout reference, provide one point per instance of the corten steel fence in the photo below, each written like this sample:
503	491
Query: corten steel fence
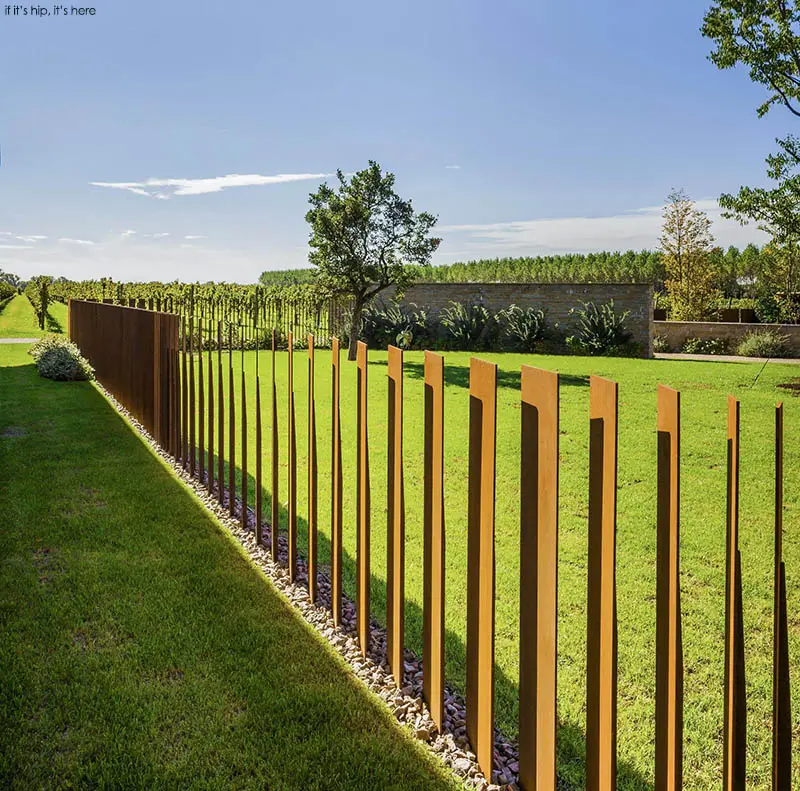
148	360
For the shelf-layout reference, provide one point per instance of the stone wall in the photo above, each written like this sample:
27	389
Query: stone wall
557	299
677	333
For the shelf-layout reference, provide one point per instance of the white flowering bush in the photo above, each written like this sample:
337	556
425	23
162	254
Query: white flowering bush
60	359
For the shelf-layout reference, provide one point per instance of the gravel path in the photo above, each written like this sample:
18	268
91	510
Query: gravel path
18	340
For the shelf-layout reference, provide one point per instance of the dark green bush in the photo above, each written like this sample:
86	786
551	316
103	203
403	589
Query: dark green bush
523	328
660	344
764	343
601	331
469	327
395	324
58	358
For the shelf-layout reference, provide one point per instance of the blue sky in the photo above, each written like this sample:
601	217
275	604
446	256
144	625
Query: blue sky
527	127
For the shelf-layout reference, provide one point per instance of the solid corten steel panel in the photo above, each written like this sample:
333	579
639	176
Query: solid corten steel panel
192	410
312	477
362	505
480	561
221	420
292	468
275	512
434	540
259	450
157	378
244	442
601	654
781	695
231	429
669	643
734	746
538	579
201	407
336	487
184	400
395	506
211	414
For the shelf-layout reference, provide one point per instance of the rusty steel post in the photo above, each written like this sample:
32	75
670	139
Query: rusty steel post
336	487
312	477
395	506
292	467
275	512
192	413
231	429
735	728
434	541
362	505
480	561
244	441
201	406
669	642
184	400
538	579
221	420
259	491
601	653
210	471
781	693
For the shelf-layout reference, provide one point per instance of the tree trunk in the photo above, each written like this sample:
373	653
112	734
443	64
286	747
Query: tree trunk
355	326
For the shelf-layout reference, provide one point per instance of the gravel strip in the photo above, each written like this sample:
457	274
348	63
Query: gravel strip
406	703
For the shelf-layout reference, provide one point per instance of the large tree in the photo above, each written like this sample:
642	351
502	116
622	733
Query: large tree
687	243
365	238
764	37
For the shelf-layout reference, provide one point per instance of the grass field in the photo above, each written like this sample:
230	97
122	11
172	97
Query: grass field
704	389
18	320
140	647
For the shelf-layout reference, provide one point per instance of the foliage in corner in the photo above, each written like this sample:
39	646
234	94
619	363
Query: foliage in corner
764	343
523	328
365	238
403	325
470	327
705	346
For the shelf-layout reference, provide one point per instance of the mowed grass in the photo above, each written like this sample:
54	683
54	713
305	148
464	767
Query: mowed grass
18	319
704	388
140	648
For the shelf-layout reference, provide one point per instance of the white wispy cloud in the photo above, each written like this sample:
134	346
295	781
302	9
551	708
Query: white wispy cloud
67	240
32	238
453	167
16	247
160	235
190	236
128	233
636	229
167	188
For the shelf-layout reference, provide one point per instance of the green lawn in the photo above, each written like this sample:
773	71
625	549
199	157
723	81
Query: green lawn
704	389
18	320
140	648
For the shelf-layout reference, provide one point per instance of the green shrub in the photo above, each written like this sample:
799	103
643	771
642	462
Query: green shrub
764	343
60	359
395	324
601	331
660	344
705	346
523	328
469	327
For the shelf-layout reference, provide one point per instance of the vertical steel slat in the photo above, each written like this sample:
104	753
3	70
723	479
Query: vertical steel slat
201	406
221	420
210	472
363	506
192	413
669	642
184	400
312	477
734	745
244	442
480	561
538	579
781	693
292	470
259	490
434	540
601	654
336	486
395	506
275	513
231	428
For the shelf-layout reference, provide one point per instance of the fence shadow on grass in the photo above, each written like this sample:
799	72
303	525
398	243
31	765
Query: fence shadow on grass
571	735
